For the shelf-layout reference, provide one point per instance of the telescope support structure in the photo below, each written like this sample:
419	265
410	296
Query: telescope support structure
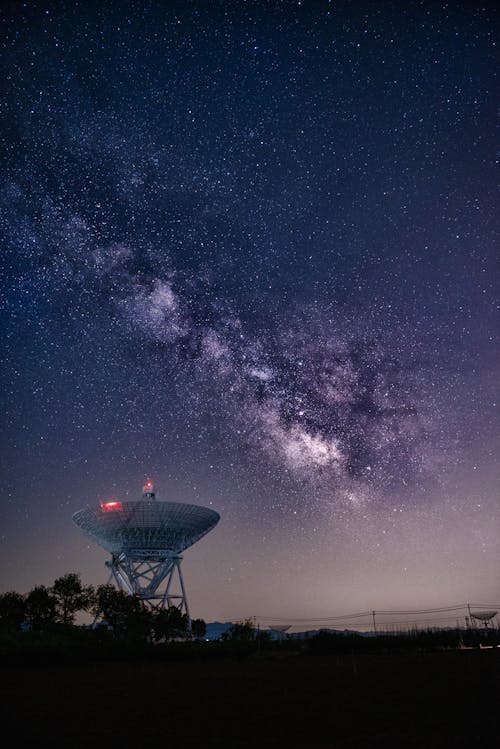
156	580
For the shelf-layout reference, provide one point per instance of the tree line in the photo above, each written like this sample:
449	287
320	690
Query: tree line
57	606
42	625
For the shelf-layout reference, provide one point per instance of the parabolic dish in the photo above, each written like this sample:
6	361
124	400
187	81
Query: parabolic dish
155	526
279	627
483	616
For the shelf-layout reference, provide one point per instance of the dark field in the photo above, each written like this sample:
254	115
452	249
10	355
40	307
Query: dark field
440	700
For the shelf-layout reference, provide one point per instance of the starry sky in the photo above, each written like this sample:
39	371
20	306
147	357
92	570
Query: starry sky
248	251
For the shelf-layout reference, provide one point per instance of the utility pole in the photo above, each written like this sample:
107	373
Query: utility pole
470	616
374	622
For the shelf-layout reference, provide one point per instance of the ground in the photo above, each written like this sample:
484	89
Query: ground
426	700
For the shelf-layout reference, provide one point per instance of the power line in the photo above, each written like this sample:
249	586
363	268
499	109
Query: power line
393	623
318	619
486	605
350	618
423	611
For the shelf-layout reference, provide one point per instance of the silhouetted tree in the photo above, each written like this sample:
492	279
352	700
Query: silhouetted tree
263	636
12	611
41	608
243	631
123	613
71	597
169	623
198	628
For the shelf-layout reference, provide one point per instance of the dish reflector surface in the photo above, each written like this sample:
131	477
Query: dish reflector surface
483	615
165	526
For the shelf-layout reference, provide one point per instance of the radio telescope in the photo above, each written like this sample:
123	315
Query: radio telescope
145	539
279	629
483	616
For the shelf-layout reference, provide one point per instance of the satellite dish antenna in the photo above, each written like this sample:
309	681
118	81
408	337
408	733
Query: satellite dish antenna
145	539
280	629
483	616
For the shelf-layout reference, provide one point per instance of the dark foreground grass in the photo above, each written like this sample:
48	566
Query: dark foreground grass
425	700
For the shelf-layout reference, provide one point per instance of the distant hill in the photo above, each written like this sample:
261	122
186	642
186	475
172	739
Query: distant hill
216	629
312	632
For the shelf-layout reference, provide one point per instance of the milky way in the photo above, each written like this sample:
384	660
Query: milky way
250	251
325	395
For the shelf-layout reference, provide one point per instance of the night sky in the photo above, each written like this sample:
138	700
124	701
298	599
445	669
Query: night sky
248	251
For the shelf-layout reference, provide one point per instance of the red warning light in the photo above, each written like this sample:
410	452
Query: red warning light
112	505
